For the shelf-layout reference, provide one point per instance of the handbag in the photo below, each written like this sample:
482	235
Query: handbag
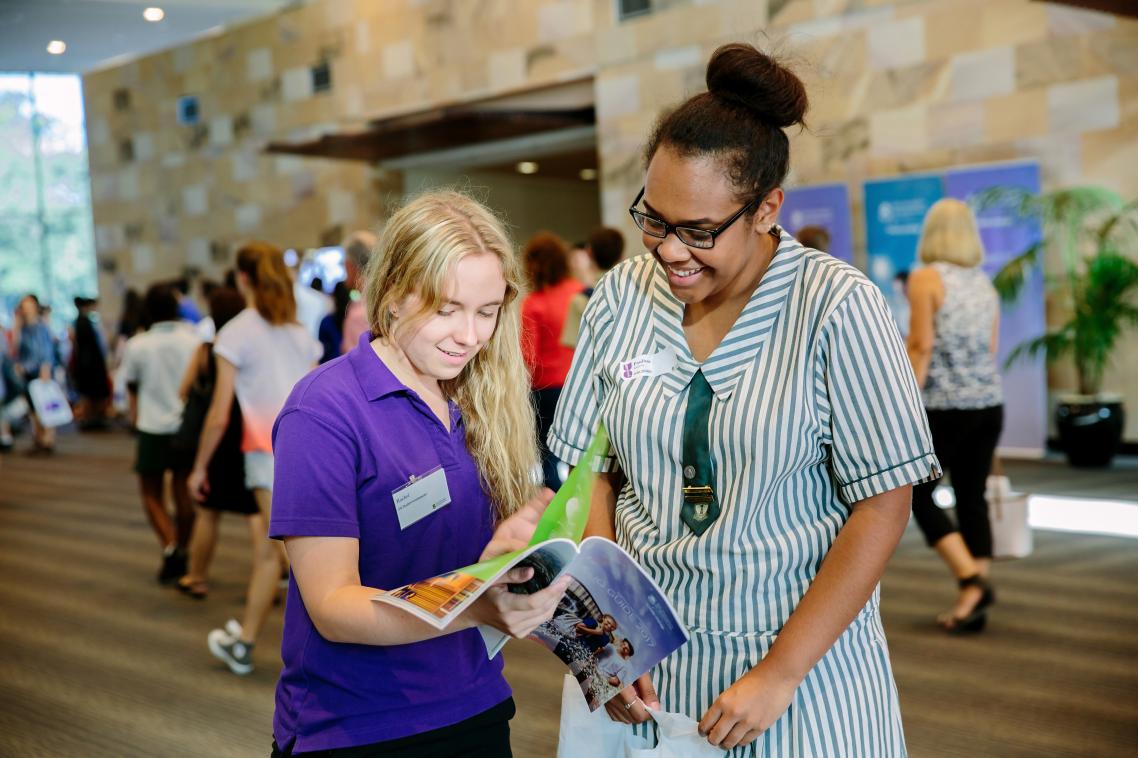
195	410
1007	511
49	402
586	734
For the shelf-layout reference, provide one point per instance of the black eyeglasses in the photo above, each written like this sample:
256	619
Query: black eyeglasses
691	236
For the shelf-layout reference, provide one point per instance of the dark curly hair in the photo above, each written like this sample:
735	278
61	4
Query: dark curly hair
546	260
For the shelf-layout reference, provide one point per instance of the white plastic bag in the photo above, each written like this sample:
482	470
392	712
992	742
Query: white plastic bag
679	738
1007	510
14	410
586	734
49	402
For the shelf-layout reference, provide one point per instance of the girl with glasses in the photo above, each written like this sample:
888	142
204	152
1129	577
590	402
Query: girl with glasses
766	430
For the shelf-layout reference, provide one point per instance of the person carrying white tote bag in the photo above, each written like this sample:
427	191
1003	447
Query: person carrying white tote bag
49	402
1008	513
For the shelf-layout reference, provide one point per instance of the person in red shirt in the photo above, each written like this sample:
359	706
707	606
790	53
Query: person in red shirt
546	260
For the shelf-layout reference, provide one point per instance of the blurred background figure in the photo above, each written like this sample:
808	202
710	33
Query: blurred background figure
89	366
544	311
206	327
261	353
580	263
187	308
152	369
954	325
12	399
331	334
36	357
357	252
603	251
817	237
312	305
898	300
226	471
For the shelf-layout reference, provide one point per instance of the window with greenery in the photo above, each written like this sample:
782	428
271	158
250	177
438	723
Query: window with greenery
46	244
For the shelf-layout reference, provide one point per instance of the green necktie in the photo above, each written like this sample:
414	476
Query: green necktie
701	506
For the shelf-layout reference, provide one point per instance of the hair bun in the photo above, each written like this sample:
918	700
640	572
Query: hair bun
740	73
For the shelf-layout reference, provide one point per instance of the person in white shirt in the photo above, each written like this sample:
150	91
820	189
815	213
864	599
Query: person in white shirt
261	353
152	370
311	307
612	661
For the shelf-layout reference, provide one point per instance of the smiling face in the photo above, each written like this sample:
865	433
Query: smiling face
439	345
695	191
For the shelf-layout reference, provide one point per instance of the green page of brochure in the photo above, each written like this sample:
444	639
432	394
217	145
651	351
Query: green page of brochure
565	516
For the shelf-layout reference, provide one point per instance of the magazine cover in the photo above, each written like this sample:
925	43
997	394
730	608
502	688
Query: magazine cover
613	623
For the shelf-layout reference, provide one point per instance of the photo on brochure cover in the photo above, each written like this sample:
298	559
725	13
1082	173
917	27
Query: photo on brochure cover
612	624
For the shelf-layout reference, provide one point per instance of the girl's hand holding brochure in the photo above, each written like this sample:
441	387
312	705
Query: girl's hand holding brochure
516	532
514	614
587	602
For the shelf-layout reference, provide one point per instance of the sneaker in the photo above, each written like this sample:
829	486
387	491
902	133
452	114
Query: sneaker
233	626
237	655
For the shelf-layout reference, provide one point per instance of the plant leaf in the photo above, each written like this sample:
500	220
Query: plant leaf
1009	280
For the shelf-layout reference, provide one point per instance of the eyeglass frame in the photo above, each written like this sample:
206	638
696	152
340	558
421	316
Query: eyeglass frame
673	228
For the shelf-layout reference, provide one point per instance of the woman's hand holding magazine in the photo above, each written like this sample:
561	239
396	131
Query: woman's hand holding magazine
587	601
514	614
516	532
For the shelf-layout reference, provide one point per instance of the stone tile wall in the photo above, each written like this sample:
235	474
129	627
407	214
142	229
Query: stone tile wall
896	86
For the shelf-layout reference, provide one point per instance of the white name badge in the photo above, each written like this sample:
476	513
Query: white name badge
647	365
421	497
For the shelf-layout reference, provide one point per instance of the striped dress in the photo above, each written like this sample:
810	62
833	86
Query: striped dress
815	408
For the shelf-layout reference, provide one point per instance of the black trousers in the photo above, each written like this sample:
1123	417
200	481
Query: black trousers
546	403
964	441
486	735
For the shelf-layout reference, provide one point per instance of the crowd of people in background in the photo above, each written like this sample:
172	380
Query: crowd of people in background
200	379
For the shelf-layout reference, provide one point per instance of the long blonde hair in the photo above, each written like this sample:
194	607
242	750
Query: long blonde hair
949	234
417	254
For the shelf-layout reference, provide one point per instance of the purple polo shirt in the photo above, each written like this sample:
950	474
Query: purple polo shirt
349	434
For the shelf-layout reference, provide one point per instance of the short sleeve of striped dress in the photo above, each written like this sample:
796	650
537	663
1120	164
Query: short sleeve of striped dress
869	401
586	386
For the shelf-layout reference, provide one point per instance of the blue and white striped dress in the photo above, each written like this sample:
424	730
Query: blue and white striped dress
815	409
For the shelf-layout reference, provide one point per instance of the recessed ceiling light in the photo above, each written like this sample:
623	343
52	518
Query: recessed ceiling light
154	14
588	174
57	47
527	167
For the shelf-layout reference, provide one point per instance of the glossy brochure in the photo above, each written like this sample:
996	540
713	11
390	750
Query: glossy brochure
612	624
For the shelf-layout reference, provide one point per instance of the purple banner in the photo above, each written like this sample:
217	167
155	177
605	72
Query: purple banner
1005	236
826	206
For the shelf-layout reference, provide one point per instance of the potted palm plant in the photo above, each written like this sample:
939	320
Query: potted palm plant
1095	234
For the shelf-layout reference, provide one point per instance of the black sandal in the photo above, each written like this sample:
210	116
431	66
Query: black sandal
196	590
977	618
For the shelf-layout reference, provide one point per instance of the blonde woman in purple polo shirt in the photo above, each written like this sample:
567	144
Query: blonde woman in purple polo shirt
435	398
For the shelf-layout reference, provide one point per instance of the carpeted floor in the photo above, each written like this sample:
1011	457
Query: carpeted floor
97	660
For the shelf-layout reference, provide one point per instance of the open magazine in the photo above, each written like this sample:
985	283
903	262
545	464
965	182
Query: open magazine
613	623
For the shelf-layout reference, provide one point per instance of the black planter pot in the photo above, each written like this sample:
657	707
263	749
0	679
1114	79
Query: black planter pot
1090	429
